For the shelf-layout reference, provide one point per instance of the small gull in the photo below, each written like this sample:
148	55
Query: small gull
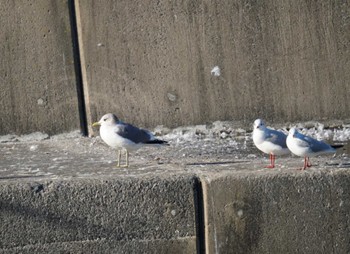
124	136
305	146
269	141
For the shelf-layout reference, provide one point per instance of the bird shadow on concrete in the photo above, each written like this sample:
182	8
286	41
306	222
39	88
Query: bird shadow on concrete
21	177
338	165
214	163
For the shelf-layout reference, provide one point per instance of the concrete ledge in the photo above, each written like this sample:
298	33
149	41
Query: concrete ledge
127	213
256	211
274	212
65	195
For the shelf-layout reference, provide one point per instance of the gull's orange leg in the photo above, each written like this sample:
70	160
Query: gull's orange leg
272	161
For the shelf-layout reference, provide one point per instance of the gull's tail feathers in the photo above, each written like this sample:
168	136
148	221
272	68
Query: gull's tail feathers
157	141
337	146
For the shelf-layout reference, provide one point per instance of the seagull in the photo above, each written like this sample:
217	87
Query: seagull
269	141
124	136
306	146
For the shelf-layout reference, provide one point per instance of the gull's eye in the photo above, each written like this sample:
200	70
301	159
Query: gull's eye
105	119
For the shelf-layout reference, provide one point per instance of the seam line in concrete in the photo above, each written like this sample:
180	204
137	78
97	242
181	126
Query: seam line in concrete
79	63
205	191
77	67
199	216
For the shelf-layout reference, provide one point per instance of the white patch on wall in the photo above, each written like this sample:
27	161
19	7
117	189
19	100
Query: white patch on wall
216	71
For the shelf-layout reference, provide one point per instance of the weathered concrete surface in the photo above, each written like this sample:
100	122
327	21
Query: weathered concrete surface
105	215
150	62
37	77
274	212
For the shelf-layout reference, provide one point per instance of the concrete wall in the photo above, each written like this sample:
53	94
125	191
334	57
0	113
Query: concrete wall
150	62
38	90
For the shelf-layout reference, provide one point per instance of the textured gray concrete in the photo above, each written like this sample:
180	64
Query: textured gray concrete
37	77
150	62
274	212
76	213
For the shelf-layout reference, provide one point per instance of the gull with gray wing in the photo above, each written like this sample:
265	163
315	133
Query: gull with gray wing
124	136
305	146
269	141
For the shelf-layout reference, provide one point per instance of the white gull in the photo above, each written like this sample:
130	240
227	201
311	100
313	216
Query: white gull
269	141
305	146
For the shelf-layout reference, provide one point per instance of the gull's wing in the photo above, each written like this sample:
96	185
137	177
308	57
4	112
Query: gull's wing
133	133
276	137
315	145
319	146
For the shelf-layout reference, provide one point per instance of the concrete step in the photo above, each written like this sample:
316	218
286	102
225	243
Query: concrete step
274	212
105	214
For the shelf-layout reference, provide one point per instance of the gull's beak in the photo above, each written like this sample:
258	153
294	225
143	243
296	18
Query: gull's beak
96	124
